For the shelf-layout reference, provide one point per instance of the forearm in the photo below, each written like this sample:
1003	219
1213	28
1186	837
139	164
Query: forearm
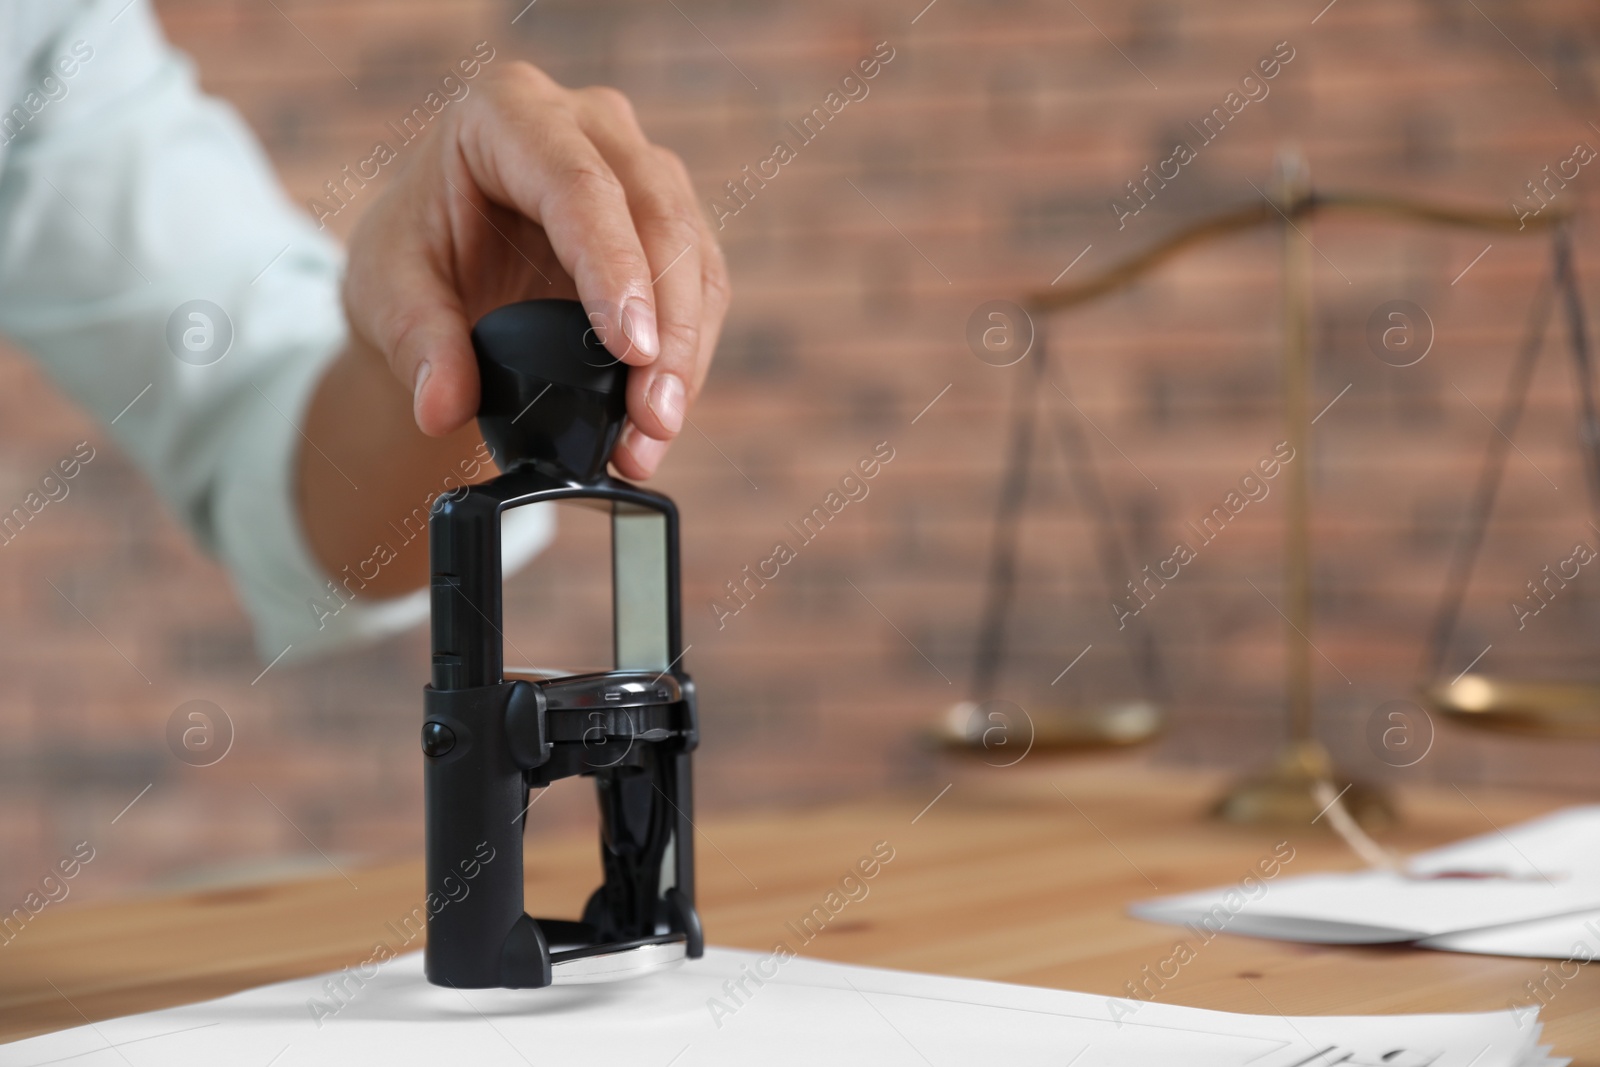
366	475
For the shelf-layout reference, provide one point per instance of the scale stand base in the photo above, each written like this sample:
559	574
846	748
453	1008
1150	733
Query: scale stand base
1285	793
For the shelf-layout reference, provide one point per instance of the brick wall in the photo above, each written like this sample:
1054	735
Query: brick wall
979	166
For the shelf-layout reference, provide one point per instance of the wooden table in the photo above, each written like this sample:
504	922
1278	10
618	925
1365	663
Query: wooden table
1020	875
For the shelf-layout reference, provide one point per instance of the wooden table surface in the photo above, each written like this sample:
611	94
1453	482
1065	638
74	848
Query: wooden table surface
1020	875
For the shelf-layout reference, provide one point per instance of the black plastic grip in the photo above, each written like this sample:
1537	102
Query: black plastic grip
551	392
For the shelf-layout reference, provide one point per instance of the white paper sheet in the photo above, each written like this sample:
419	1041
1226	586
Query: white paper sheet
1565	937
808	1013
1561	846
1531	890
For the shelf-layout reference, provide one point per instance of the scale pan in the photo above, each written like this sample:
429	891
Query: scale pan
1513	706
998	726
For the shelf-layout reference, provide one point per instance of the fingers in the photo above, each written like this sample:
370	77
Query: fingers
525	148
619	215
636	455
682	256
666	220
681	371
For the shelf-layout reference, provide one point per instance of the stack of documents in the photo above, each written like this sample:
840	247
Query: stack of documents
1530	890
742	1008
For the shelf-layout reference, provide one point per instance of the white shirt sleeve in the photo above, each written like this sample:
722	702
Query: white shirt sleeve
123	200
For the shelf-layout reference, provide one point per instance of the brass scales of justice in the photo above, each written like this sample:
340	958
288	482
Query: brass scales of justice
1293	786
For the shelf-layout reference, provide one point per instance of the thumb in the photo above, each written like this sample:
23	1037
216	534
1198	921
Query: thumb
415	321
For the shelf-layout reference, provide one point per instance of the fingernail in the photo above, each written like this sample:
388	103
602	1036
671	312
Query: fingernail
665	398
423	370
646	451
639	323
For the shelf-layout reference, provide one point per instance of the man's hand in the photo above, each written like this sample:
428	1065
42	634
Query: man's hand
521	190
532	190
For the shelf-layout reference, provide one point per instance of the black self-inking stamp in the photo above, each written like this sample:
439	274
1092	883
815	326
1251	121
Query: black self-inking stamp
553	405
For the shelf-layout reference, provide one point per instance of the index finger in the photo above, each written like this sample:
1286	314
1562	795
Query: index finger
524	149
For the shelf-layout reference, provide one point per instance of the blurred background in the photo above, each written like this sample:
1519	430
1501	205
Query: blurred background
981	166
